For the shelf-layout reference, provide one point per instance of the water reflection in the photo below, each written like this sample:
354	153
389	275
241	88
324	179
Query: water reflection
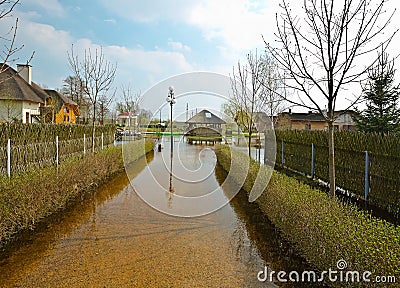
171	190
31	248
114	239
190	174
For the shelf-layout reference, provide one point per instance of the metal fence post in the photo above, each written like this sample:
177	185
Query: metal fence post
283	153
9	158
265	148
57	156
84	144
367	186
312	160
102	140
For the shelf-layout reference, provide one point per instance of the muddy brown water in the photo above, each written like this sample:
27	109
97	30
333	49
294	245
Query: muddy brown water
114	239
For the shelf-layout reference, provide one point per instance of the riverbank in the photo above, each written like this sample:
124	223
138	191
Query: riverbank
28	198
323	230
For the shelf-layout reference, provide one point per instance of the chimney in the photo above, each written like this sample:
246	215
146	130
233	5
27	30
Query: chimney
290	111
25	71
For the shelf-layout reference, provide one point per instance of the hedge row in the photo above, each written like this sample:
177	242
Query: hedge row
350	147
26	134
27	198
34	146
322	229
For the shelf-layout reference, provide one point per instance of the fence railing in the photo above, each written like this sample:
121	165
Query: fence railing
371	175
17	158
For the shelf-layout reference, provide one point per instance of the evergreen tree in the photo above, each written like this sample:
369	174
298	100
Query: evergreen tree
381	97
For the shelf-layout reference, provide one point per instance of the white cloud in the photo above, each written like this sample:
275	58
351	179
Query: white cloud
151	64
235	25
111	21
238	24
53	7
178	46
50	63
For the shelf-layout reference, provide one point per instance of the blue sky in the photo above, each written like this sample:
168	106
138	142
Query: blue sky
149	40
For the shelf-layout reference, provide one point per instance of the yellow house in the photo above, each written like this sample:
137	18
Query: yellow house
59	109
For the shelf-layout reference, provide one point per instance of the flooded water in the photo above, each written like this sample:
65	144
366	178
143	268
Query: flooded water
114	239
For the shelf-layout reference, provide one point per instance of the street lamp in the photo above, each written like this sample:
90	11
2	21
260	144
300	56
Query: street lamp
171	100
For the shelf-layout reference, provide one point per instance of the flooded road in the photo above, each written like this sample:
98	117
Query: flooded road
114	239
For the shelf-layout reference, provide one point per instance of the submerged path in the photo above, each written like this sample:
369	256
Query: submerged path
114	239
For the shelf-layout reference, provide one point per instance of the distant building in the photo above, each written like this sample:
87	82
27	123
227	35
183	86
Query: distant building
315	121
127	119
22	100
206	119
204	127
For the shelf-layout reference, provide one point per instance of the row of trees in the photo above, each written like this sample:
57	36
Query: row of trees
321	51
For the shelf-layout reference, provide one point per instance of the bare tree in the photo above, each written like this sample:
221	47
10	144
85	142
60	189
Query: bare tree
273	83
103	106
248	93
322	52
130	102
73	89
97	75
10	112
9	47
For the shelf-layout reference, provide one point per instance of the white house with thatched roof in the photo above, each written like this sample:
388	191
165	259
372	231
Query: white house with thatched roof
23	101
20	98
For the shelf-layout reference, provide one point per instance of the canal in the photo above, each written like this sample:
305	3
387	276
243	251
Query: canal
112	238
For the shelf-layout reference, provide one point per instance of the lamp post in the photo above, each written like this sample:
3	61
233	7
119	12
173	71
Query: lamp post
171	100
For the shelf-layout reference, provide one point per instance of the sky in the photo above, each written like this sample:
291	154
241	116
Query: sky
149	41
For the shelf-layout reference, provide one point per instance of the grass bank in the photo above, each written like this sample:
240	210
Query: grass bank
322	229
28	198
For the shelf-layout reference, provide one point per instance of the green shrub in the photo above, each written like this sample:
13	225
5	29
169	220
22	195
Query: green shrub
29	197
350	147
33	146
322	229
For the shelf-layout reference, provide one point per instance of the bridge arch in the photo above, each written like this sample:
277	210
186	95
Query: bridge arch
203	134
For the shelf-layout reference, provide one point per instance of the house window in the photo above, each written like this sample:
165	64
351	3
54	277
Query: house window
27	118
208	115
336	127
308	126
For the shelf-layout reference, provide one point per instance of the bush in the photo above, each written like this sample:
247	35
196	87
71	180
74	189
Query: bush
350	147
27	198
322	229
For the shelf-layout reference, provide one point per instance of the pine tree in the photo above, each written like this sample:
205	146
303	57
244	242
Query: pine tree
381	96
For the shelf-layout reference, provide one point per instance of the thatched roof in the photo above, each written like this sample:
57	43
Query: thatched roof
13	87
205	117
59	98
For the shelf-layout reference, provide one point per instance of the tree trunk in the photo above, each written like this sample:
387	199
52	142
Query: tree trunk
250	143
93	127
332	173
250	131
